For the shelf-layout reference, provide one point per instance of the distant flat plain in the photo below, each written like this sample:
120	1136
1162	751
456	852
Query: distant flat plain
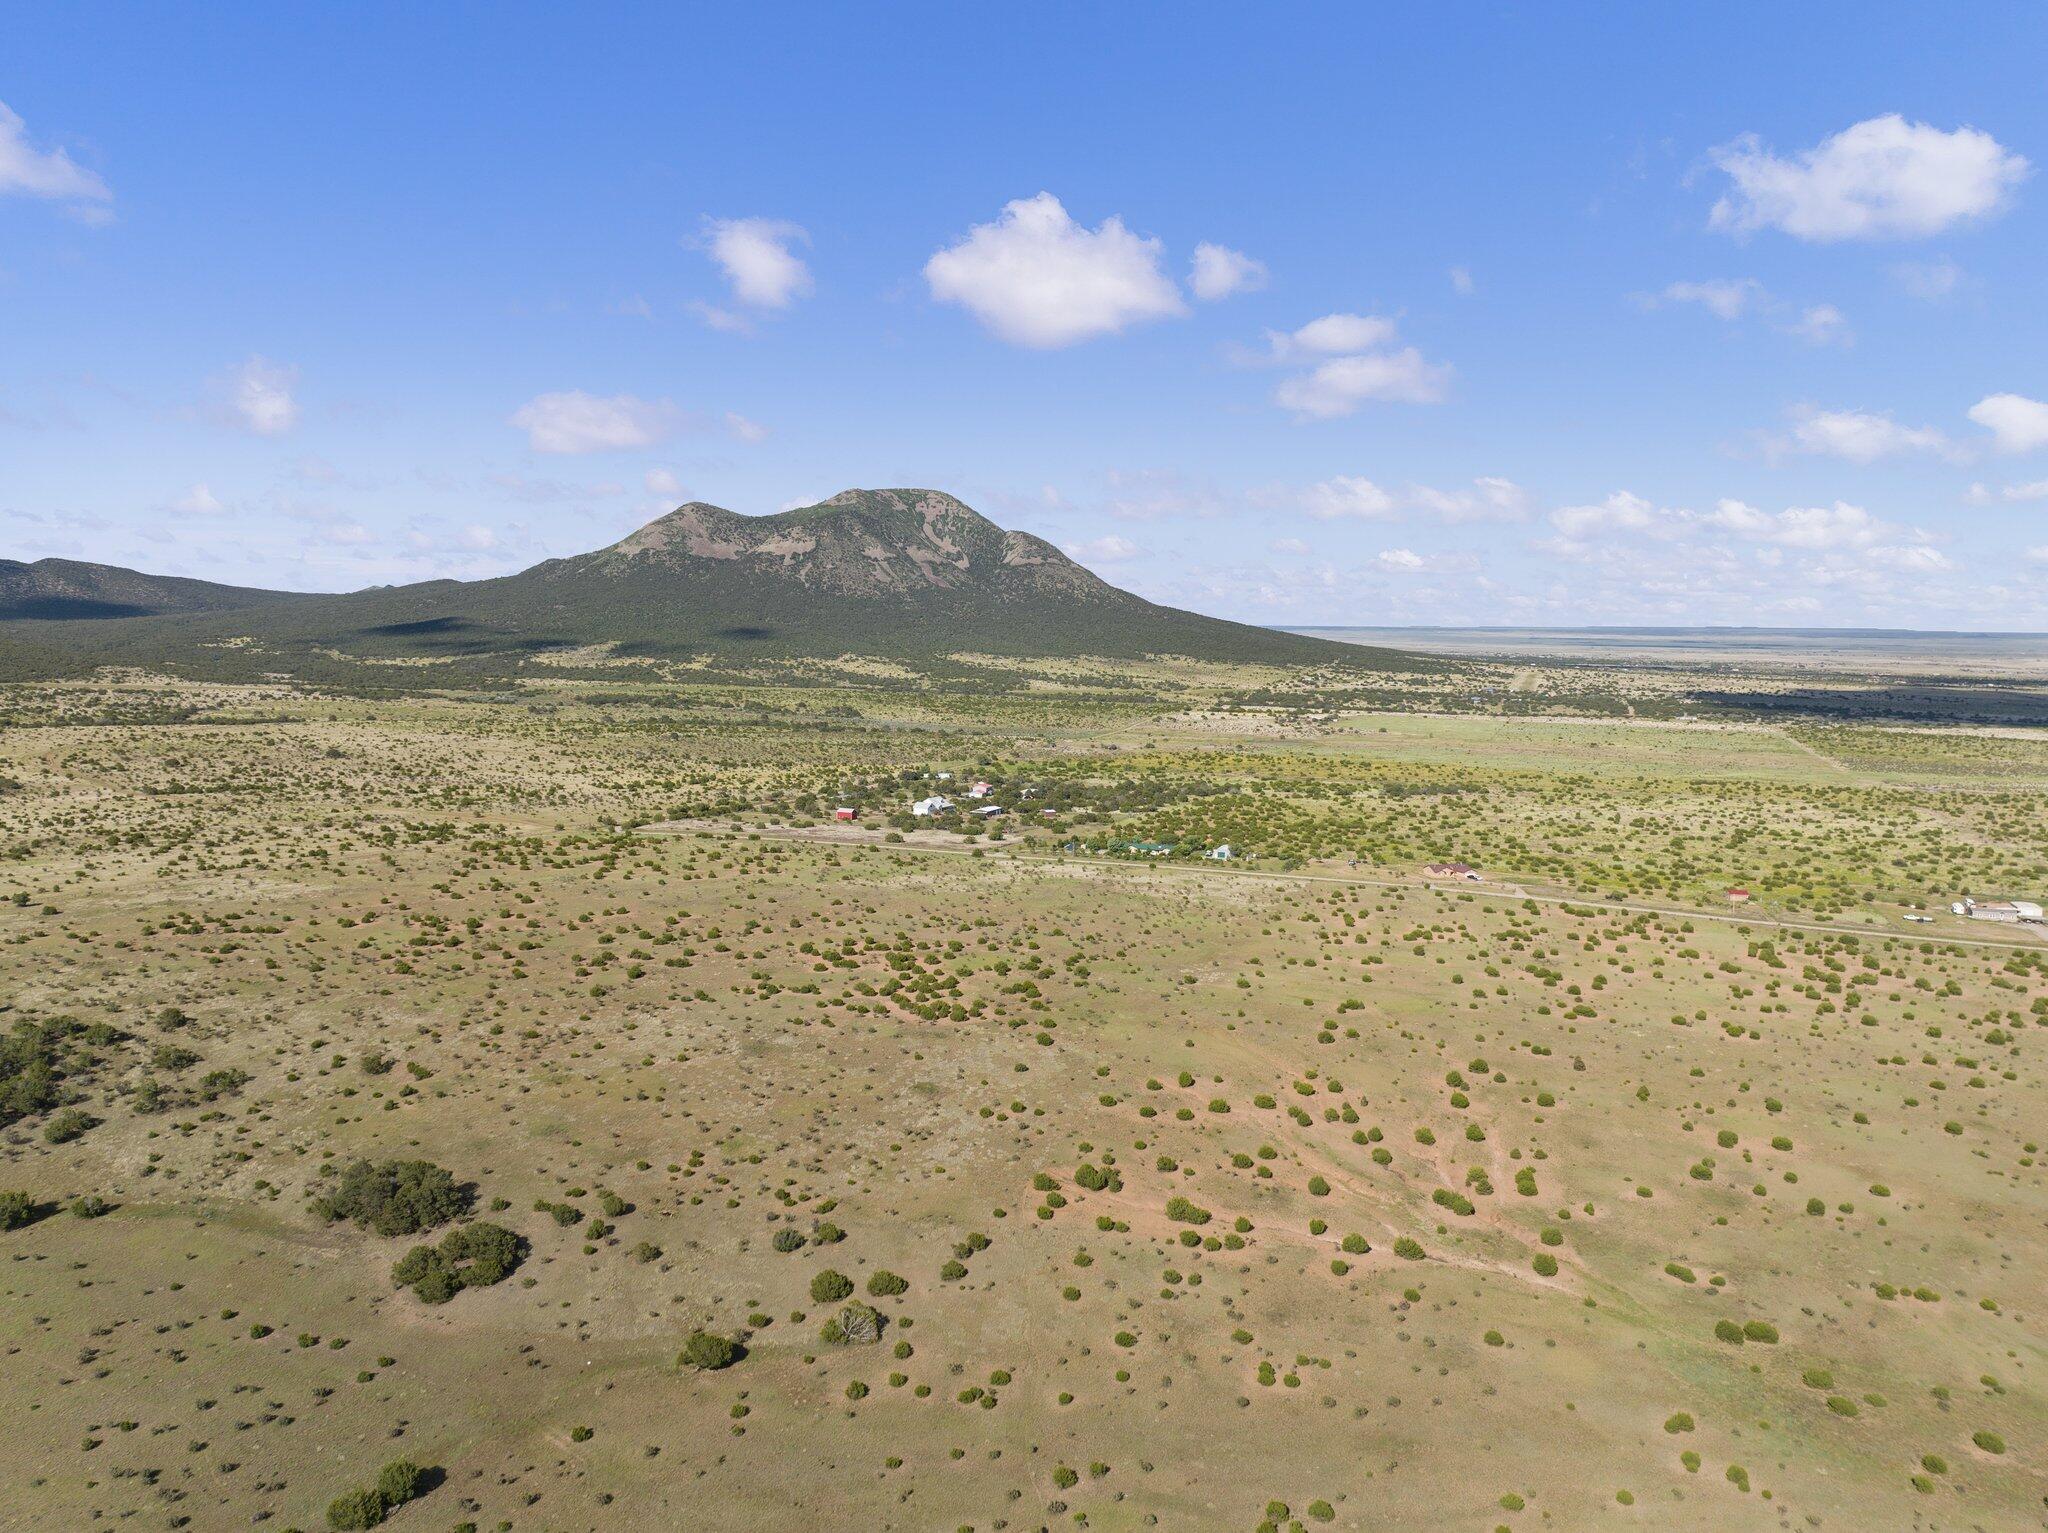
2012	655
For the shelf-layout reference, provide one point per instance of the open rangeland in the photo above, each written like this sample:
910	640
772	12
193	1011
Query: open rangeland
1090	1181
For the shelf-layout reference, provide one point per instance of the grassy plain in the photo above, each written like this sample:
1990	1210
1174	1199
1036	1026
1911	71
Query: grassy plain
1294	1191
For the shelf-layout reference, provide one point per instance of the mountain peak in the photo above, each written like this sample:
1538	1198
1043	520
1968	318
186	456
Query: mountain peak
871	543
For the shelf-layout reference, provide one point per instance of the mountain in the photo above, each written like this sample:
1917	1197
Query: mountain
898	573
66	590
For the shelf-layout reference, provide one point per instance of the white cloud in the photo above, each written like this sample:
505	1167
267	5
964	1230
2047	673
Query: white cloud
1836	531
1491	499
477	537
1620	512
1818	528
661	482
2017	423
759	265
1984	494
1339	386
573	421
2038	554
1329	336
1106	549
1403	561
259	397
1911	559
1932	280
1884	178
1861	436
1348	496
1461	281
198	501
26	171
1821	324
1036	278
1290	546
744	429
1722	297
1218	272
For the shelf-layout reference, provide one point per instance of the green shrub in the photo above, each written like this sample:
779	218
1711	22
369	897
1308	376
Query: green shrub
355	1509
469	1256
886	1284
16	1209
787	1241
68	1125
1408	1249
829	1287
393	1197
707	1352
399	1482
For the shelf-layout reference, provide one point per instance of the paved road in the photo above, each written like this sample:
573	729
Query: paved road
834	836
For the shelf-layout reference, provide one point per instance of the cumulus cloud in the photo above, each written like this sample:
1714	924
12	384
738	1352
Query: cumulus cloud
1339	386
1811	527
743	429
1622	511
1219	271
1821	324
661	482
1844	537
1328	336
51	174
1403	561
1884	178
1036	278
1490	499
1722	297
1348	496
759	266
259	397
2017	423
1984	494
573	422
1861	436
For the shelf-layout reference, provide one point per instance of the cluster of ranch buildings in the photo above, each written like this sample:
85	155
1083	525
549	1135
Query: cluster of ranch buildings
1971	909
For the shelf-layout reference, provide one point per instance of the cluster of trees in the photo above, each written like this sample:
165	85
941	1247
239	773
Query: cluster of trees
398	1482
394	1197
468	1256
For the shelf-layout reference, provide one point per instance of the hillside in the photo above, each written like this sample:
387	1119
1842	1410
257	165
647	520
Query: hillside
911	574
68	590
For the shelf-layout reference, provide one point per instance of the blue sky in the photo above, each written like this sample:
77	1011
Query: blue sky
1565	314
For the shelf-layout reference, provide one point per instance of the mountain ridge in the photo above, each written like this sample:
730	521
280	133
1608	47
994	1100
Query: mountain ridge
902	573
